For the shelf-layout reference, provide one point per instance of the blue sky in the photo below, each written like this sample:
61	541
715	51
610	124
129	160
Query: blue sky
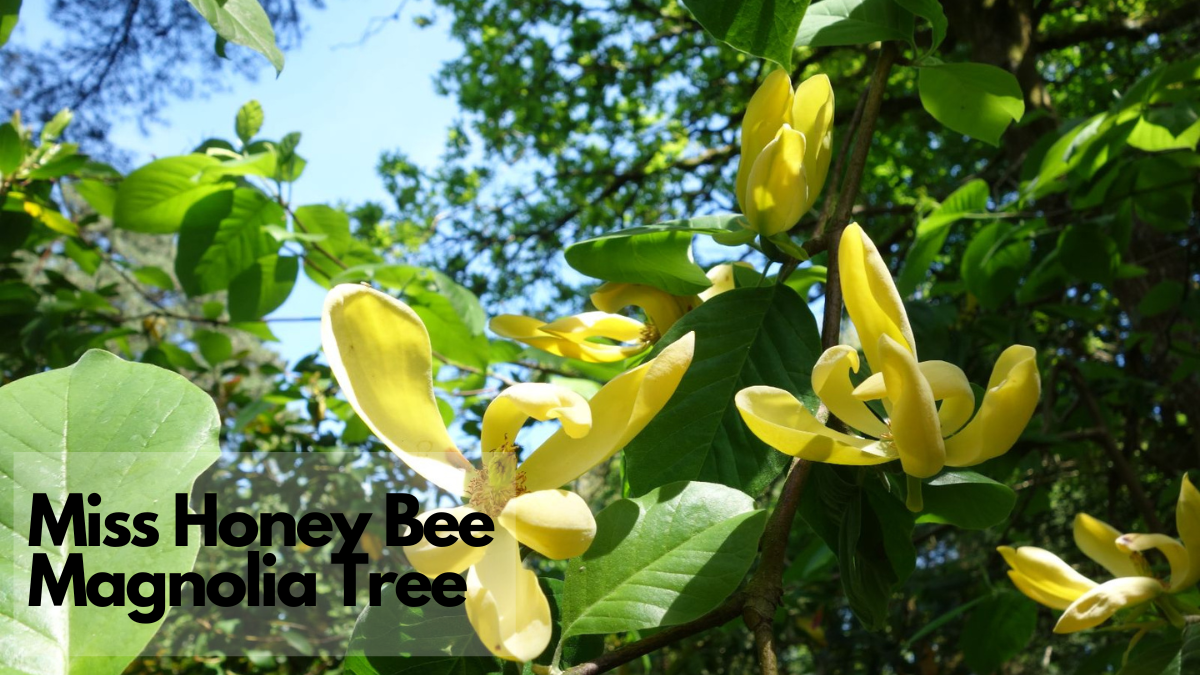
349	102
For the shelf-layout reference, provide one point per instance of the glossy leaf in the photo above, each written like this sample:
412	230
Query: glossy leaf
765	28
261	288
9	13
974	99
212	253
966	499
158	197
834	23
242	22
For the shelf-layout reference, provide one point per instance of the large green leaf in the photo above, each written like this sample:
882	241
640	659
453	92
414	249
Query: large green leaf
212	253
159	196
263	287
655	255
971	98
931	11
933	229
998	630
834	23
765	28
9	12
868	528
966	499
662	559
242	22
744	337
134	434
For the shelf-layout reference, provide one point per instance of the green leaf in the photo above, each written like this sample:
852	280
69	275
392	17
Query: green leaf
966	499
868	528
101	196
242	22
974	99
933	229
744	337
1162	192
997	630
214	347
765	28
931	11
154	276
655	255
248	121
1087	252
158	197
662	559
1163	297
993	262
57	124
12	149
1189	658
136	435
1155	654
263	287
9	12
212	253
835	23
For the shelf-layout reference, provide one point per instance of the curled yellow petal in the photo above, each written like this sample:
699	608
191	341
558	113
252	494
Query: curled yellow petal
1172	550
571	339
1097	605
914	423
556	523
722	280
379	353
1098	541
812	115
782	422
1044	577
769	109
777	191
507	413
1008	405
661	308
433	560
620	410
870	295
505	605
1187	521
831	383
947	382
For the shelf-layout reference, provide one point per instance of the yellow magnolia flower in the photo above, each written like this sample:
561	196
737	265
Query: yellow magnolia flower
379	352
924	436
787	142
1045	578
572	336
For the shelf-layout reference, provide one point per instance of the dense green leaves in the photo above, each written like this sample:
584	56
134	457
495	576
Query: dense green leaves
966	499
972	98
102	426
242	22
765	28
214	252
160	196
994	261
261	288
998	628
933	229
744	337
662	559
853	22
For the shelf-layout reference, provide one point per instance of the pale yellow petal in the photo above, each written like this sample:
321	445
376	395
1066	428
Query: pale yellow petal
620	410
777	192
556	523
782	422
1187	521
1054	583
1172	550
870	295
722	280
769	109
1099	604
914	423
831	383
949	385
579	327
1098	541
379	353
812	115
529	330
433	560
1008	405
505	605
508	412
661	308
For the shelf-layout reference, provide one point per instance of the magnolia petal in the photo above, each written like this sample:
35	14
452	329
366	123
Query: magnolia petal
1097	605
1187	521
1098	541
505	605
947	382
870	295
1044	577
831	383
1172	550
529	330
379	353
661	308
620	410
812	115
556	523
777	192
722	280
769	109
914	423
508	412
1008	405
782	422
433	560
596	324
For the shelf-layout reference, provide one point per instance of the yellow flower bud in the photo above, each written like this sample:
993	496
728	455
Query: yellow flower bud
777	191
812	115
769	109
